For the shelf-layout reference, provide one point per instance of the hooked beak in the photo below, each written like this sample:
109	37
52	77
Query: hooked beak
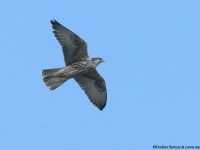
102	60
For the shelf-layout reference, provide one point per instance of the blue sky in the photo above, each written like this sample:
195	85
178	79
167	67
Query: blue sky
152	61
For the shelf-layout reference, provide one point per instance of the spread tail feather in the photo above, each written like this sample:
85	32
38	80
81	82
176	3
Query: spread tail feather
51	80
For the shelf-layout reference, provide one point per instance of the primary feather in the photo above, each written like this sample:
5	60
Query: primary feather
78	66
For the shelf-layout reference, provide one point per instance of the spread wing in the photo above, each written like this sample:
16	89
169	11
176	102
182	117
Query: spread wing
74	48
95	88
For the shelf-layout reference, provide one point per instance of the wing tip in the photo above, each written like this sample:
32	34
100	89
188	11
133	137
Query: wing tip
100	106
53	21
55	24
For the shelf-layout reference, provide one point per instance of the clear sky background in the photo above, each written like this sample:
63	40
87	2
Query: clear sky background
152	71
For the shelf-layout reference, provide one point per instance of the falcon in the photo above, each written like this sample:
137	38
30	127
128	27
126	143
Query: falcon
78	66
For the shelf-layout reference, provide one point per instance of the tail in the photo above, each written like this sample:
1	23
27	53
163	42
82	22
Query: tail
51	79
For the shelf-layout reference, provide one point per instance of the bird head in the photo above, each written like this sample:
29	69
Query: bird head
97	60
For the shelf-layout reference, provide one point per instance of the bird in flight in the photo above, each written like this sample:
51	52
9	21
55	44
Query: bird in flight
78	66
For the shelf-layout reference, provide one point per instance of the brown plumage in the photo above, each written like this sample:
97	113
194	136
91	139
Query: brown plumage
78	66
